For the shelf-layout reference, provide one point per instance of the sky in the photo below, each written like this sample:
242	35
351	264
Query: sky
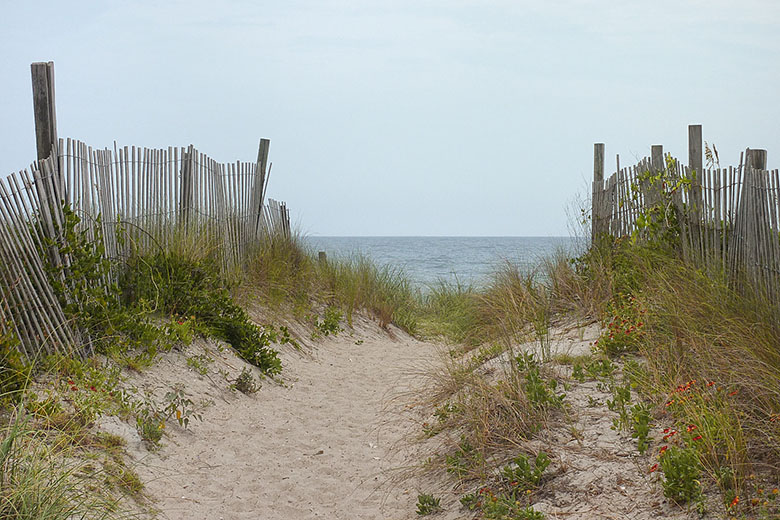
403	117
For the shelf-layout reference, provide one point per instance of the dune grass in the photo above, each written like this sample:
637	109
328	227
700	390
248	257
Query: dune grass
711	359
284	272
46	472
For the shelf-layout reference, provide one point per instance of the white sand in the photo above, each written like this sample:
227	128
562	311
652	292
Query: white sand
322	446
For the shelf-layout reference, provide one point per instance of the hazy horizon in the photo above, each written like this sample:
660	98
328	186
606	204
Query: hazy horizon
403	118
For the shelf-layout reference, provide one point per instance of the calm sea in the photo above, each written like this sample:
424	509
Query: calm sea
464	260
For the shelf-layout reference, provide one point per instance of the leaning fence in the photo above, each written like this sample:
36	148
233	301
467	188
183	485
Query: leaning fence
727	217
138	200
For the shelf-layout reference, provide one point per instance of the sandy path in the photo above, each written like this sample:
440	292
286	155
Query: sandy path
330	442
319	447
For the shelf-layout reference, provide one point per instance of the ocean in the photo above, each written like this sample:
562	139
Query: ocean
430	260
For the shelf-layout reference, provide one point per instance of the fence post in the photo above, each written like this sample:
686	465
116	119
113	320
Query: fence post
44	109
696	167
756	158
695	161
598	188
322	257
260	182
186	195
657	166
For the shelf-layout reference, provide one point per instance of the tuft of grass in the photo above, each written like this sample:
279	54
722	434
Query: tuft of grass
43	478
449	311
284	273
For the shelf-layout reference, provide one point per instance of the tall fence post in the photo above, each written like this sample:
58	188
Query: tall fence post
598	188
260	182
695	201
44	109
695	162
186	195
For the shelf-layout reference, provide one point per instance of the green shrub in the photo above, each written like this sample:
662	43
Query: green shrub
682	474
190	287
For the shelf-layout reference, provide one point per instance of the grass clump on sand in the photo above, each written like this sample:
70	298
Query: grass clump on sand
44	475
284	272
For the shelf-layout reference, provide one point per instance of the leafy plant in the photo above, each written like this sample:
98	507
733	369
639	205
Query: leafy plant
427	504
621	398
81	276
658	222
682	474
500	505
640	426
180	406
540	392
150	425
330	322
245	382
522	474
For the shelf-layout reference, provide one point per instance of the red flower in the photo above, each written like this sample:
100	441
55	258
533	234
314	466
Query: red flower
655	467
666	430
92	388
671	433
711	383
697	438
734	502
663	450
70	382
691	427
735	392
669	403
74	388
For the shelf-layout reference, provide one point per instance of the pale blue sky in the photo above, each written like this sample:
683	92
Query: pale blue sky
406	117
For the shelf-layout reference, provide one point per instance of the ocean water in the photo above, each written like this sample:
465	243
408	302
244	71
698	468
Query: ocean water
429	260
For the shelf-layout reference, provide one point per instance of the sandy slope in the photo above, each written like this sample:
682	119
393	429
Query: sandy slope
321	446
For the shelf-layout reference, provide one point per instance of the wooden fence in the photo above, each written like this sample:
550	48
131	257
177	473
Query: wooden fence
141	200
726	216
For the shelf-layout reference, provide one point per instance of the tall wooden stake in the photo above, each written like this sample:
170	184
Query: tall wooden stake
44	108
598	187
